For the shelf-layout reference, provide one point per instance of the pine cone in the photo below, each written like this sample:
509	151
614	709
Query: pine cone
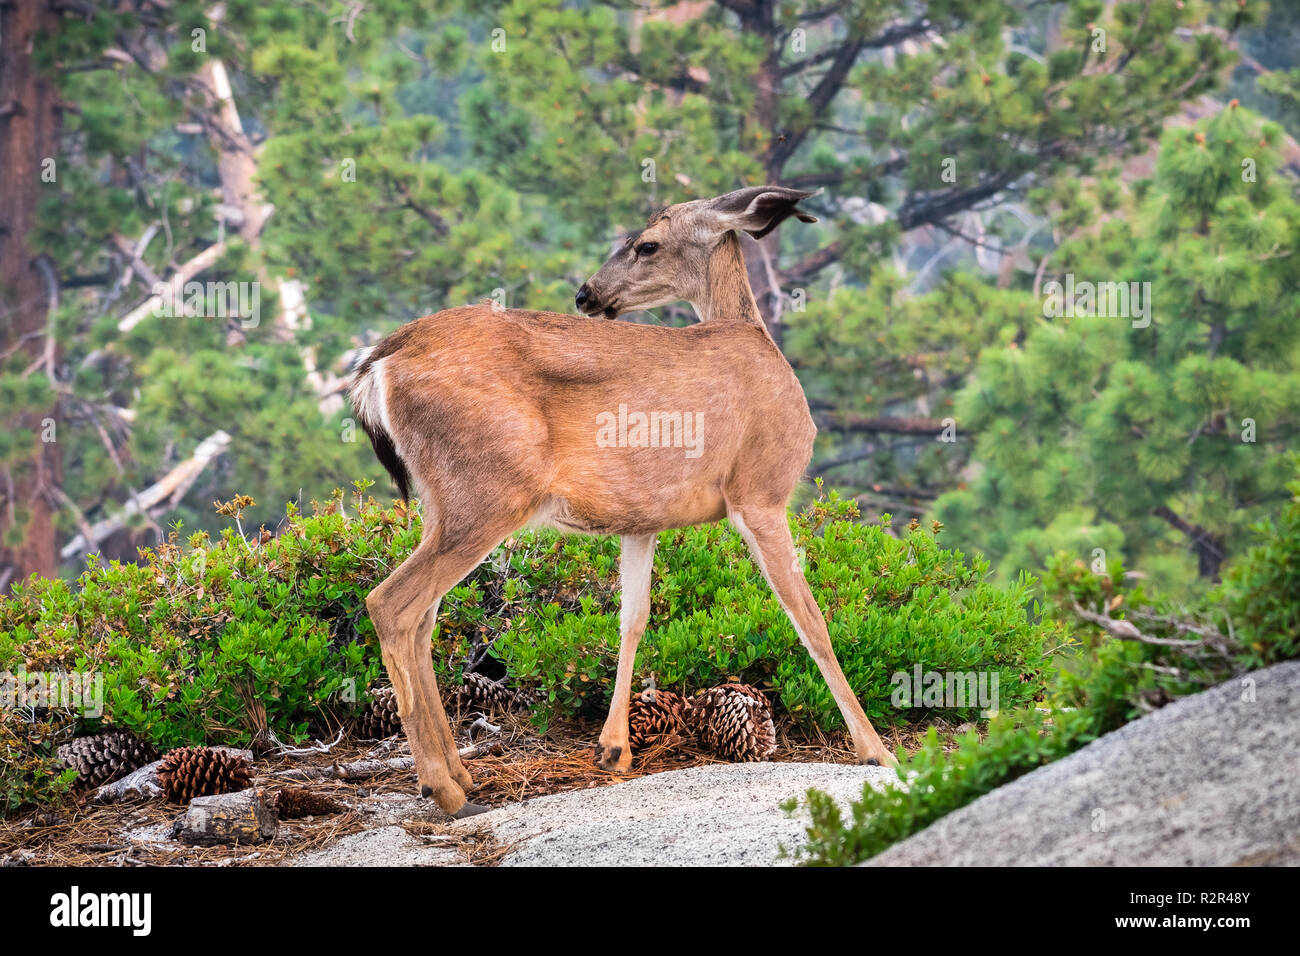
487	694
190	772
102	758
292	803
380	718
656	716
734	721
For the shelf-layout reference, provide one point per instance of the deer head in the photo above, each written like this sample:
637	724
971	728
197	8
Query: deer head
690	251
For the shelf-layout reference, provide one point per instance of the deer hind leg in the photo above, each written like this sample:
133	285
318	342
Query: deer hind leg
403	608
446	740
636	559
767	532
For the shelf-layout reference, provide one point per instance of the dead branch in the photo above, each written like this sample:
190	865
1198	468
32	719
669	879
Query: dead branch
167	487
1127	631
349	771
481	725
200	263
319	748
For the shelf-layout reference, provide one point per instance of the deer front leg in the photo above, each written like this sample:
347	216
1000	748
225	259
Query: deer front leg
636	559
767	532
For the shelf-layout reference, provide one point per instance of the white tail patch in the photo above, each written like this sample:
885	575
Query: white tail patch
369	395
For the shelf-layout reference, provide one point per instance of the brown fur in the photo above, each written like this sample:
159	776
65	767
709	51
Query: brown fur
495	416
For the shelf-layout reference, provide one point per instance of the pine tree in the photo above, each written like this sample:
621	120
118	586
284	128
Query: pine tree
416	160
183	126
916	118
1161	441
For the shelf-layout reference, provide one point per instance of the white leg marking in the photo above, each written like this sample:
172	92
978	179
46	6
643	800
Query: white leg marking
635	565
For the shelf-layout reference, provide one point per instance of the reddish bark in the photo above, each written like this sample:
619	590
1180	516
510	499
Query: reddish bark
28	130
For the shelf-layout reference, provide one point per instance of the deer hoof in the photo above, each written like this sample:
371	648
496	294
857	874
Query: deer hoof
886	760
469	810
616	759
446	797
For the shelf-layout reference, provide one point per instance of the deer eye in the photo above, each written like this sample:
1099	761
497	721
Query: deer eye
647	248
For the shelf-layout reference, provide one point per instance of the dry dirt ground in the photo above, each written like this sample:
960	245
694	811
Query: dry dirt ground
385	822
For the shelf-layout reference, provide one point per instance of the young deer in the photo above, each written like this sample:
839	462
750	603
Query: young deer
501	419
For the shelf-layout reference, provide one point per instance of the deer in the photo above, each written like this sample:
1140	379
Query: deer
502	419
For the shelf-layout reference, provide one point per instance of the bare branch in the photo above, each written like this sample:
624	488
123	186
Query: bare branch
167	487
200	263
808	268
888	425
1126	631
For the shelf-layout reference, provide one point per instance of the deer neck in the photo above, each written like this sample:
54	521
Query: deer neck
728	297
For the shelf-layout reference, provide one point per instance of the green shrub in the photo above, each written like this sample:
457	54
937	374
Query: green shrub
207	641
891	602
1262	590
1251	621
937	782
29	772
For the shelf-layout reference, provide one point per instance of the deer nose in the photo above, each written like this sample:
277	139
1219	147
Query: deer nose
583	297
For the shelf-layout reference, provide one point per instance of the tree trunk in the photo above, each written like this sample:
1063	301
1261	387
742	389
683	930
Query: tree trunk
1208	548
28	130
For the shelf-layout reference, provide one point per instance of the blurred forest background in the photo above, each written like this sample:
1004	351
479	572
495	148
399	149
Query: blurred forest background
358	163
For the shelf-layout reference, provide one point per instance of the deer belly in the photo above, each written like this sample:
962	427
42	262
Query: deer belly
630	511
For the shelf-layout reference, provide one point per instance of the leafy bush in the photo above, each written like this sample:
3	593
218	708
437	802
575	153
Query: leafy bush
208	641
1262	590
891	602
1251	621
29	772
939	782
205	642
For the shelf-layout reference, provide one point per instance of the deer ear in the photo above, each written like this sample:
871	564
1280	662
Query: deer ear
759	209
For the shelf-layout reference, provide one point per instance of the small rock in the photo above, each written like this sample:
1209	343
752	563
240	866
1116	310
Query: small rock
243	817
